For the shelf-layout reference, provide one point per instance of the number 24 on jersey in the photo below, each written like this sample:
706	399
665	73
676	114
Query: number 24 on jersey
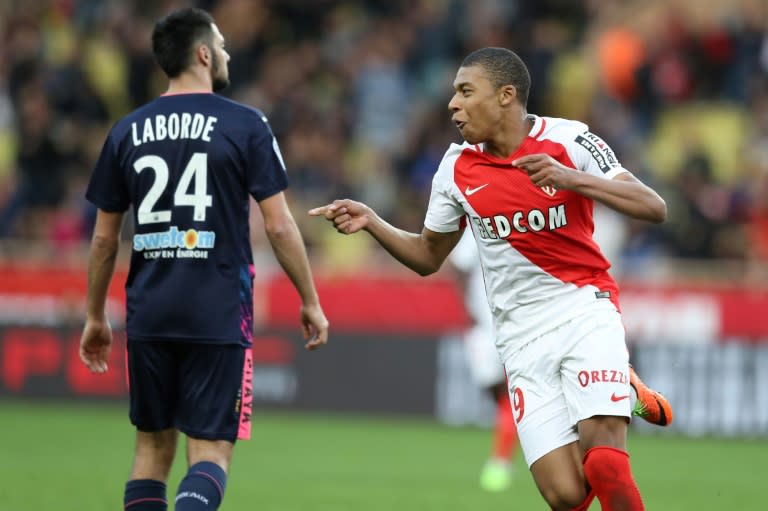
197	169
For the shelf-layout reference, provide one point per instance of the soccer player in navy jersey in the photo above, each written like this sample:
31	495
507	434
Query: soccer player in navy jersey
188	162
525	185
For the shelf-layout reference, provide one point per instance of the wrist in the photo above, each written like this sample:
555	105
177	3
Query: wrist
371	220
310	301
96	318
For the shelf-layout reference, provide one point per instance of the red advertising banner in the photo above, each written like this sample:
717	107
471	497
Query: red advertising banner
679	336
404	304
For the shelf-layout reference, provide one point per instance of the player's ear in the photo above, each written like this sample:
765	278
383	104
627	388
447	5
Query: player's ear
507	94
204	54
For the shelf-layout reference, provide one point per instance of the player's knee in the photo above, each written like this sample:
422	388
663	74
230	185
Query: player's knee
154	455
214	451
604	431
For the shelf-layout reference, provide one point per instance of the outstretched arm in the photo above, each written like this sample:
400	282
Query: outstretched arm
423	253
288	246
96	341
624	193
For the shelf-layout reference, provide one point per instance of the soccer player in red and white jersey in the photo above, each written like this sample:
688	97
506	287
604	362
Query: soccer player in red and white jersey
485	364
526	186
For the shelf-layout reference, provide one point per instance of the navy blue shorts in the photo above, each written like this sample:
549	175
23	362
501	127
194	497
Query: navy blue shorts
203	390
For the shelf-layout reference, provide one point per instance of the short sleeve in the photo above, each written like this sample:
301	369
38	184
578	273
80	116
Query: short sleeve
265	170
594	156
444	212
107	188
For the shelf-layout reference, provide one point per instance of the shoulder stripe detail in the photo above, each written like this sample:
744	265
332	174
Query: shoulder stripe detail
541	130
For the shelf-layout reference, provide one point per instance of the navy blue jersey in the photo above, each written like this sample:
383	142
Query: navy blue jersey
187	164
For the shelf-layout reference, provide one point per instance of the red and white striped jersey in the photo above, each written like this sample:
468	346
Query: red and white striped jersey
540	263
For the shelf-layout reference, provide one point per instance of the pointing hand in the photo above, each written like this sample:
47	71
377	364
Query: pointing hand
348	216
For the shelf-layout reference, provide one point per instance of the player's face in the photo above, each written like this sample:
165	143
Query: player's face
219	62
475	104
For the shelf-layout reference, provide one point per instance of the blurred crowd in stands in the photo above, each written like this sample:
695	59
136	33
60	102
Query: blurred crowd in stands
356	92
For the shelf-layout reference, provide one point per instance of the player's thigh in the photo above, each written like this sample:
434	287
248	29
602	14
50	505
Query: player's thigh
538	402
559	476
214	392
152	377
595	371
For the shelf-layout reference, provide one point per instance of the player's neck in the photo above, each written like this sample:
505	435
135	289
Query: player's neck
190	82
508	139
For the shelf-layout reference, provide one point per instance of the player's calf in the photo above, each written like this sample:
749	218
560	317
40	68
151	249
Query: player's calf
608	472
202	489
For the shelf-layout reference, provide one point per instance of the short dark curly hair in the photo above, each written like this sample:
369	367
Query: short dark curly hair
504	67
174	38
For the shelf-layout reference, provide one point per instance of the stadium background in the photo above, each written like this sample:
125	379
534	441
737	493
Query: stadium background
356	92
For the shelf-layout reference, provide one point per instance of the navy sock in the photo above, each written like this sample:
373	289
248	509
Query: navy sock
145	495
202	489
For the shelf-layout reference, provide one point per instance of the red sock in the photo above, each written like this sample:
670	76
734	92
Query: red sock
608	473
505	431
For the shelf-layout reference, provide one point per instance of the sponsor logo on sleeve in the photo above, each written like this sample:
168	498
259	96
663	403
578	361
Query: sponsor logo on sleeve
602	154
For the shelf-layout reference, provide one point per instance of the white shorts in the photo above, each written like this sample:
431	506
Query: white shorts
483	356
576	371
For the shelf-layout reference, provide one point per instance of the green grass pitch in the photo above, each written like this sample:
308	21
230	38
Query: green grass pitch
70	456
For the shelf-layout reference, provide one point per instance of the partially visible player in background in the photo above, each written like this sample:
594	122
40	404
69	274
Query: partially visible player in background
187	162
484	363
